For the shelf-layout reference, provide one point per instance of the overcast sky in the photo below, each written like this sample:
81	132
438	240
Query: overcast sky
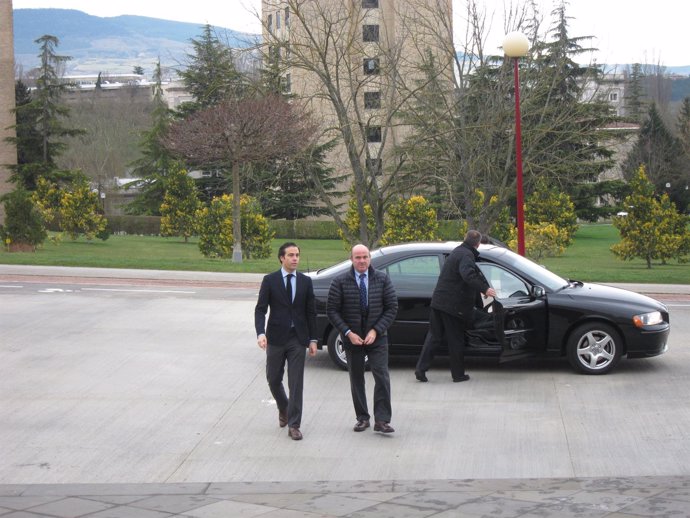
626	31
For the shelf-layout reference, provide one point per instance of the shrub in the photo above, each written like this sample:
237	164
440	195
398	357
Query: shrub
23	221
80	212
215	229
410	220
179	206
352	220
541	240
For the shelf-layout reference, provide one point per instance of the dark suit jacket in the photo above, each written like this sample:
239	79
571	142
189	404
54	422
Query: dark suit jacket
460	283
301	312
344	311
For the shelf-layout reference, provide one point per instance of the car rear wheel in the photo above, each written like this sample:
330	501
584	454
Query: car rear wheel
594	348
336	350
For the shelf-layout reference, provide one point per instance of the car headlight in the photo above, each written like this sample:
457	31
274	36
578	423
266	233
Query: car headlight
648	319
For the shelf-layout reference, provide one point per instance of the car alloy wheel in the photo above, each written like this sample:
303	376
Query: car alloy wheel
594	348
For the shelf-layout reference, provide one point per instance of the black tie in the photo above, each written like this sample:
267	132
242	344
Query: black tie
288	286
362	292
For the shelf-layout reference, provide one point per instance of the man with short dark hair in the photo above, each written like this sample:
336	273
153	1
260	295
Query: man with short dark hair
362	305
452	305
291	328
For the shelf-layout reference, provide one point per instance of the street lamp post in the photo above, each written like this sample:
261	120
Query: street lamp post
515	46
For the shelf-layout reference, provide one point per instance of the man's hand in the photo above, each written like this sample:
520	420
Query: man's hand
490	293
355	338
261	341
312	348
371	337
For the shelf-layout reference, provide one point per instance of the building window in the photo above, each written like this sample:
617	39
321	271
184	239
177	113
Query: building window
373	134
375	166
287	17
370	4
287	84
613	97
370	33
372	100
371	66
269	23
278	20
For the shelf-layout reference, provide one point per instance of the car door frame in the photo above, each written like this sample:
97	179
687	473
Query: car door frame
525	317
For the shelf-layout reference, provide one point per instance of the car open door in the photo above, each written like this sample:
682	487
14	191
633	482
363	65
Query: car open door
523	309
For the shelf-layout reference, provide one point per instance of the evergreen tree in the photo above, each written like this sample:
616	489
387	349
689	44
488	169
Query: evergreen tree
292	188
661	154
653	228
152	167
40	128
210	76
564	132
634	94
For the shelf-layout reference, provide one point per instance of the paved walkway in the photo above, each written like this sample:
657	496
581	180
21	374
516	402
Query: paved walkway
562	498
659	496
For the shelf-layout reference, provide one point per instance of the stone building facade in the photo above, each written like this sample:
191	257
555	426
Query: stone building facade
8	152
366	53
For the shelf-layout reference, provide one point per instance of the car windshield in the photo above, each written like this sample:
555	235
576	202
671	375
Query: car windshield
539	274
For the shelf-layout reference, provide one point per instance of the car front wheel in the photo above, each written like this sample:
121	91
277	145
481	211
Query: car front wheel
336	350
594	348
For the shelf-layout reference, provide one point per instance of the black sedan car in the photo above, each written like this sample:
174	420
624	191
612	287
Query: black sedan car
535	312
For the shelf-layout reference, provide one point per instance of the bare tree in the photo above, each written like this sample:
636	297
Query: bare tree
357	71
238	132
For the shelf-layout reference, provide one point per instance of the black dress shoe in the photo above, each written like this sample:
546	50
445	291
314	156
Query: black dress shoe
294	433
382	427
360	426
420	376
464	377
282	418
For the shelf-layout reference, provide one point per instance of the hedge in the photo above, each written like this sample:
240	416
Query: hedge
135	225
304	229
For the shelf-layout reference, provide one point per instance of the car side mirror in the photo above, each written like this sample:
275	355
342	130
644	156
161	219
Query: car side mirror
538	292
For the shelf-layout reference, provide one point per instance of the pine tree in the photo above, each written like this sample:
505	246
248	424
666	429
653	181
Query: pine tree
211	76
40	128
152	167
653	228
634	94
661	154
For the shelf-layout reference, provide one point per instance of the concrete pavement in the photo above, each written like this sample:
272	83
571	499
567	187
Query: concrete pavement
623	496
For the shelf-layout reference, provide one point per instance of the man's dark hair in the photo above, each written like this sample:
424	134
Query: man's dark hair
285	246
473	238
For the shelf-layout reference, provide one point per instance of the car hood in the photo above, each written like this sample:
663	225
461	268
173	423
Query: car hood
613	295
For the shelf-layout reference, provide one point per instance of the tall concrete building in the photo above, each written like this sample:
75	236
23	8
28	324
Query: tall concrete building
8	152
355	64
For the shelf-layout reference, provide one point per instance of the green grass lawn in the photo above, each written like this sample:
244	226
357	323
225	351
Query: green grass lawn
588	259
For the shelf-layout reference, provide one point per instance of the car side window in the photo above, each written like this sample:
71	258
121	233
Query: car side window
414	272
506	283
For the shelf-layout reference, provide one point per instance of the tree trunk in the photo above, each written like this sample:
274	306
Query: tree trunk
236	214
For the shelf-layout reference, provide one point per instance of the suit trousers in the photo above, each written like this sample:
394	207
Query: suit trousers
378	363
294	353
450	328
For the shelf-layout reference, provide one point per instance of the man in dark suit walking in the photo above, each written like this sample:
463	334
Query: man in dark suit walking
362	305
291	328
453	304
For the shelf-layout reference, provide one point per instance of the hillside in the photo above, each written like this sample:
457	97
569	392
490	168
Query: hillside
110	45
117	44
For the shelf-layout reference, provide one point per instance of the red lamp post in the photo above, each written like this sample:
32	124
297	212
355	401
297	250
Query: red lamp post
515	46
